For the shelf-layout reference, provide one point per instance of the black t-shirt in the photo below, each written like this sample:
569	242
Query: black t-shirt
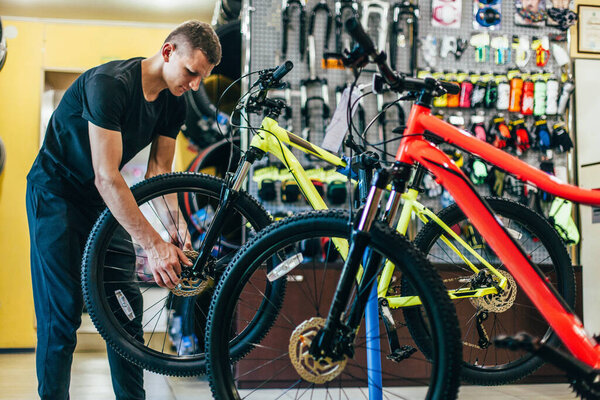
111	97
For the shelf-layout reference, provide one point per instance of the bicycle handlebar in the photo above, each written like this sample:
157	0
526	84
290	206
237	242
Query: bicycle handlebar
282	70
397	82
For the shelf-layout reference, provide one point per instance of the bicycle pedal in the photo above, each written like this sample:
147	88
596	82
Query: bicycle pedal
402	353
520	341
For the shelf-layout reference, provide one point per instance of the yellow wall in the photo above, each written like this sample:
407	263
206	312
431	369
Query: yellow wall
42	45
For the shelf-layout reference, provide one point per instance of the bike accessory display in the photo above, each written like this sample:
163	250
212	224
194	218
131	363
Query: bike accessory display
499	133
453	99
288	5
542	134
565	94
539	104
266	178
520	135
516	91
479	172
551	96
564	17
290	192
488	17
496	182
446	13
561	140
479	131
478	94
527	102
503	94
466	92
491	93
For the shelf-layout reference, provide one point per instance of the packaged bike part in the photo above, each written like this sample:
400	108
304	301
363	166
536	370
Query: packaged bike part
487	14
466	90
481	42
520	45
478	127
478	171
520	135
478	94
453	99
429	48
496	181
446	13
561	140
501	49
542	54
542	134
530	13
337	192
266	178
440	101
491	93
448	46
539	107
516	91
503	93
551	96
499	134
565	94
527	102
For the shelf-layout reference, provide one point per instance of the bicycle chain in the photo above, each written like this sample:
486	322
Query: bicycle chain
304	363
191	286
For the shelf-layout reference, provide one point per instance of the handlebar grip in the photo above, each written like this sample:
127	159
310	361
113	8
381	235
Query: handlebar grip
282	70
451	88
357	32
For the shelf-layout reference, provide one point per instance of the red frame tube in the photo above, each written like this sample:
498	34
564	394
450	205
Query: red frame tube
416	149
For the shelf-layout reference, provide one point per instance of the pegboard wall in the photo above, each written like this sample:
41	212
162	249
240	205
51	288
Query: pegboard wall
264	19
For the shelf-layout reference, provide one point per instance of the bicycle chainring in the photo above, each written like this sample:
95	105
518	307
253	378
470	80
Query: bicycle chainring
190	285
308	368
587	389
500	302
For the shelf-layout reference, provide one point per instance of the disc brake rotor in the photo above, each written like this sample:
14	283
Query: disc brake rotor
500	302
191	286
307	367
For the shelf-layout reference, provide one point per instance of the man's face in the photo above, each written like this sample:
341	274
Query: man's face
531	5
184	69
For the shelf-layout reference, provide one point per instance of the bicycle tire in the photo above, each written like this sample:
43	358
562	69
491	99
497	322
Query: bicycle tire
107	250
533	229
235	295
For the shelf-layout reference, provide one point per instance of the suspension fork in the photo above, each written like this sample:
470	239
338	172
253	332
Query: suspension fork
410	13
233	184
285	17
325	341
323	7
340	7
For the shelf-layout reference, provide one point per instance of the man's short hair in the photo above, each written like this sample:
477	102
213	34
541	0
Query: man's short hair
197	35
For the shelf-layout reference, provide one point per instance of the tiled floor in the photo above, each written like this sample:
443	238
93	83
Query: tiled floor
91	381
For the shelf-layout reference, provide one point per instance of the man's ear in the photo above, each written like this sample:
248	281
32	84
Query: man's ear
167	51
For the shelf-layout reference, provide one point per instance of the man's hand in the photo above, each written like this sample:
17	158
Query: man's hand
165	261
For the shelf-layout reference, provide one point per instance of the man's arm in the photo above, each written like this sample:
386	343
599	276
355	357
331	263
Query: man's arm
164	258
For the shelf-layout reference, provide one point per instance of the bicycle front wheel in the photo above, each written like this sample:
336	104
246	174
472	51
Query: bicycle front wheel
506	313
159	329
275	337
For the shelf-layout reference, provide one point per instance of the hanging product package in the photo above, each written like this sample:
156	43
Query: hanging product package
446	13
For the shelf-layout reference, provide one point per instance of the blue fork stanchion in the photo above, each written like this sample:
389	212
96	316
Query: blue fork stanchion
373	346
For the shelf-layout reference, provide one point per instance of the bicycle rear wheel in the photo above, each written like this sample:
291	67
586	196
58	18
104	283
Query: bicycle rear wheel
277	336
508	313
156	328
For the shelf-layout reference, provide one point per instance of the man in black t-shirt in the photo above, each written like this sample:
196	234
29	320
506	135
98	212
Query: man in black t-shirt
105	118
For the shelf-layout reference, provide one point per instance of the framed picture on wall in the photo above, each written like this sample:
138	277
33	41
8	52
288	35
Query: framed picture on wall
588	29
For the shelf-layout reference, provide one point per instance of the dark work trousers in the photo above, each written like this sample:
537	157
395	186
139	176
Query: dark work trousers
58	230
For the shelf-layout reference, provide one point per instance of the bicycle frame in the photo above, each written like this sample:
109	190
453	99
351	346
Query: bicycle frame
414	148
